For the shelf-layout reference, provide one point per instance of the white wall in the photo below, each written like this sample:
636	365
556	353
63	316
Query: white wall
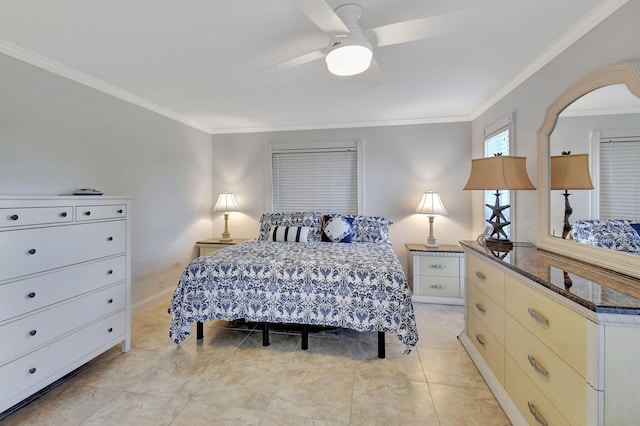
57	136
614	40
400	163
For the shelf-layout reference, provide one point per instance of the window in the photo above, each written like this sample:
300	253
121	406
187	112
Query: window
619	181
315	177
497	139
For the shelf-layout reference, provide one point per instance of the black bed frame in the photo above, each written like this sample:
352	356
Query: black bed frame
305	337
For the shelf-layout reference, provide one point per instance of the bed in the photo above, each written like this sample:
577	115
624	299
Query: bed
295	274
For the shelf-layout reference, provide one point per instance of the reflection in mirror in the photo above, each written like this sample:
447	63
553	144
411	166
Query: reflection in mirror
601	130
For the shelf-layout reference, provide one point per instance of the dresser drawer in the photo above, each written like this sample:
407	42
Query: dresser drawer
486	277
554	377
45	326
437	266
561	329
26	216
114	211
532	403
39	368
438	286
28	251
22	297
490	314
486	343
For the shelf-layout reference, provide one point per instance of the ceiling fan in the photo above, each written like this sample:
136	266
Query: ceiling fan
350	49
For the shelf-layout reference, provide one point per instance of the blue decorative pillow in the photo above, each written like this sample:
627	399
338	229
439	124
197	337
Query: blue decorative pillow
337	229
369	229
615	234
308	219
636	227
296	234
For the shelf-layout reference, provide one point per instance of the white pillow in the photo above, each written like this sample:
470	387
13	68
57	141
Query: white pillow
298	234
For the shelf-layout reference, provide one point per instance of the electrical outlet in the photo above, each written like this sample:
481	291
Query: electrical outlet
161	282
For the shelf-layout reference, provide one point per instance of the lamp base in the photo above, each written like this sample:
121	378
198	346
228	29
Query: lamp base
498	243
226	237
431	243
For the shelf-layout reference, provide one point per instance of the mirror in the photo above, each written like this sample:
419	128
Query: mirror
598	103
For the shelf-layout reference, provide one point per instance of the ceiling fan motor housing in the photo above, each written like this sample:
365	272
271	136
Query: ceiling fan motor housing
349	54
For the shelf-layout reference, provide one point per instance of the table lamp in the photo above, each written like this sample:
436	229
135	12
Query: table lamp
431	205
226	203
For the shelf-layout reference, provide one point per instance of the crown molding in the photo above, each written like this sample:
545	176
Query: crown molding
597	15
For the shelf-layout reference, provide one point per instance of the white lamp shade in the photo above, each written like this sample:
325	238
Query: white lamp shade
431	204
226	203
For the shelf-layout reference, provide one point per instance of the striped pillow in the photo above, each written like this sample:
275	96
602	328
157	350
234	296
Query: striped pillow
298	234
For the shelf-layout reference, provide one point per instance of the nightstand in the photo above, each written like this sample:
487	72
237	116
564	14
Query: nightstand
436	275
213	244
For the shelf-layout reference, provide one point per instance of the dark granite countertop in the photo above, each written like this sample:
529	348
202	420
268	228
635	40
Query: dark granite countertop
595	288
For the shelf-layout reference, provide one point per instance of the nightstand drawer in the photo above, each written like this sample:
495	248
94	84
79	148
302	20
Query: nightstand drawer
488	278
438	286
490	314
561	329
437	266
26	216
554	377
487	344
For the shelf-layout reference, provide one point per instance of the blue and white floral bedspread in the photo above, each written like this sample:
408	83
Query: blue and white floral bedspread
360	286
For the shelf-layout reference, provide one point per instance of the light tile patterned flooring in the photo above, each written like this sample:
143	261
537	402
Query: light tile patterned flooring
231	379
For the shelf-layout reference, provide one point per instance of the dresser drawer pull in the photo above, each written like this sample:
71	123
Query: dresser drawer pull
438	286
536	316
110	272
480	339
63	214
14	217
31	295
110	329
33	332
31	251
110	301
534	413
438	266
480	308
537	366
109	238
87	213
480	275
32	370
120	211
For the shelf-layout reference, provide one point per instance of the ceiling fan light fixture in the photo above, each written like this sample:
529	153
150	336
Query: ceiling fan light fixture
348	56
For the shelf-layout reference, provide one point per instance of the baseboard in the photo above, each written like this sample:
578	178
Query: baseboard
143	305
508	406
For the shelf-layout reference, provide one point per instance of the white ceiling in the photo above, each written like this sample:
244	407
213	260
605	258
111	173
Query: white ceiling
200	61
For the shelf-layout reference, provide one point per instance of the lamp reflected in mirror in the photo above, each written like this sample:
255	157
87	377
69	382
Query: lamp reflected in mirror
569	172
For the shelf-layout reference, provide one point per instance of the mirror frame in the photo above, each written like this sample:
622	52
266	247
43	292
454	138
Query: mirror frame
627	73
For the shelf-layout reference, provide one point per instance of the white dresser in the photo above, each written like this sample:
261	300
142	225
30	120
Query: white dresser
556	348
64	287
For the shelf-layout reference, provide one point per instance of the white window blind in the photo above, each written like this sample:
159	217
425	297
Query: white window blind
498	142
620	178
315	180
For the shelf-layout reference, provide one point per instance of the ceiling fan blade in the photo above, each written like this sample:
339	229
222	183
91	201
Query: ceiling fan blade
419	29
305	58
373	75
321	14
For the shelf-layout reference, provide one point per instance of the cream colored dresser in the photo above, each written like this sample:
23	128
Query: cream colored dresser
64	287
555	348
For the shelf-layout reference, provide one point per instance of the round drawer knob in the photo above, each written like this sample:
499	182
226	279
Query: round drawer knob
110	272
110	301
32	251
87	213
109	238
13	217
110	329
31	295
63	214
32	370
120	211
33	332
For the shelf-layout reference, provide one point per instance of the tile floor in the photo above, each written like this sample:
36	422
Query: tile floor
230	379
